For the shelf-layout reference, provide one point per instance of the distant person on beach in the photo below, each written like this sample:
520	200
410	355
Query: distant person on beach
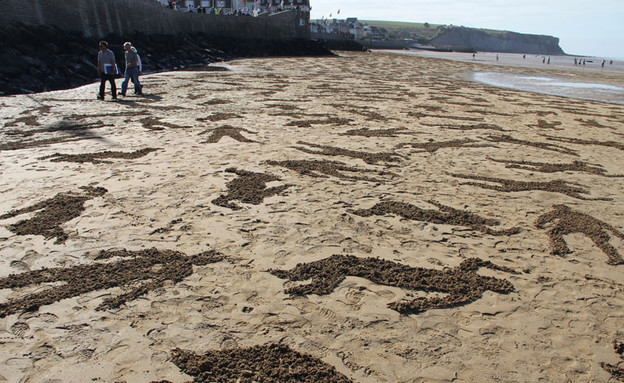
548	60
106	70
603	62
473	56
132	70
496	57
575	61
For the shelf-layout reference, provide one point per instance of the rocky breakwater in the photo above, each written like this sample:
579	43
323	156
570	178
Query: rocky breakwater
44	58
469	39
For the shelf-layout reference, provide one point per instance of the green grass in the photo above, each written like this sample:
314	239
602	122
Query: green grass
401	29
419	31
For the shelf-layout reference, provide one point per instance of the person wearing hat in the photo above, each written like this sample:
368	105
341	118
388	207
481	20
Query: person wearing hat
132	70
106	70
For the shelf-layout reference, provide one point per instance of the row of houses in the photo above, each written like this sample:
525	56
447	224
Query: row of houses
349	26
233	5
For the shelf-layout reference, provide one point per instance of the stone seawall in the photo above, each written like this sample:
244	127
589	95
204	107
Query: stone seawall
102	17
52	44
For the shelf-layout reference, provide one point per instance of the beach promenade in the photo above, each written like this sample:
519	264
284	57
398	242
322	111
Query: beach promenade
377	212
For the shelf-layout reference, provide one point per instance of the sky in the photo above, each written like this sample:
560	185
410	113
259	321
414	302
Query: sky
592	28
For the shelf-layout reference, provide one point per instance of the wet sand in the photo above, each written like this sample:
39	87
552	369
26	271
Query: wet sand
372	217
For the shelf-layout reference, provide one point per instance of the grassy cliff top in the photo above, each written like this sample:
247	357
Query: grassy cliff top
402	29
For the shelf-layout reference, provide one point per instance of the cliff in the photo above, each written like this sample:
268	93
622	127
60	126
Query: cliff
469	39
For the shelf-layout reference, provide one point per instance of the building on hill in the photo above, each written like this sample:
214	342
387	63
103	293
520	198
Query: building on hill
349	26
231	6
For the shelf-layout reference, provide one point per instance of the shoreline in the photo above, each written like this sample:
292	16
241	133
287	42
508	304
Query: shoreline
560	78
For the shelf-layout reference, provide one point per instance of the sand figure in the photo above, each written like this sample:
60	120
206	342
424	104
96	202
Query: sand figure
336	121
249	187
592	123
544	167
541	145
219	116
467	127
271	363
98	158
369	158
543	124
448	117
52	213
462	283
74	132
366	132
226	130
612	144
155	123
445	215
569	221
315	168
555	186
433	146
145	270
616	371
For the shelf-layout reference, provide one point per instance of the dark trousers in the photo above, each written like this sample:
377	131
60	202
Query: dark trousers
110	78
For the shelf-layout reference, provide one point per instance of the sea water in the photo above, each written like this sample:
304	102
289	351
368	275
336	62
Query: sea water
552	85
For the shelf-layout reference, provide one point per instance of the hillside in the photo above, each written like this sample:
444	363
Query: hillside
450	37
402	30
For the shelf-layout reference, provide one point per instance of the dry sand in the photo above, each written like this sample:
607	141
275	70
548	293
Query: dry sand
371	217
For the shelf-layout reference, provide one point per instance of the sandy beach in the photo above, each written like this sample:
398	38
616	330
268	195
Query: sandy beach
371	217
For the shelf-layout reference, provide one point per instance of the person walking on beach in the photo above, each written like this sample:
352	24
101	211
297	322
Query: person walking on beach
132	70
140	66
106	70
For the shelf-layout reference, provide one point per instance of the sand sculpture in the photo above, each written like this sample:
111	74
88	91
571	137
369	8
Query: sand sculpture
616	371
52	213
98	158
248	187
567	221
226	130
316	168
369	158
462	283
545	167
444	215
506	185
137	273
271	363
433	146
504	138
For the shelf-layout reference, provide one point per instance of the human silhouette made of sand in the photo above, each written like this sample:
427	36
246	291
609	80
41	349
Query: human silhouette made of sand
462	283
508	186
316	168
52	213
567	221
140	272
445	215
248	187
